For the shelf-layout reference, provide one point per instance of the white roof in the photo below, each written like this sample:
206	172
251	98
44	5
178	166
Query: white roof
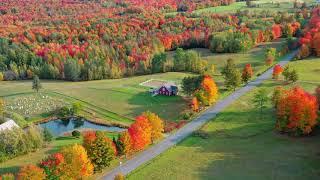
9	124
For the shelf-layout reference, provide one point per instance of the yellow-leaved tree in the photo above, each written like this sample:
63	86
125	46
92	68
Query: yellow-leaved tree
157	125
76	163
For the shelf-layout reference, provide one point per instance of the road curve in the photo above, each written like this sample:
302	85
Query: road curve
194	125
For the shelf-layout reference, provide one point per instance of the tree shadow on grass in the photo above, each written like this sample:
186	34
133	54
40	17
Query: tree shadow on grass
11	169
251	149
167	107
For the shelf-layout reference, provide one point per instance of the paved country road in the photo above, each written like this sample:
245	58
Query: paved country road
194	125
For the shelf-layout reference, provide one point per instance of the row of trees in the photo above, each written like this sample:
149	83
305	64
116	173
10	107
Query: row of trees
16	141
111	46
97	151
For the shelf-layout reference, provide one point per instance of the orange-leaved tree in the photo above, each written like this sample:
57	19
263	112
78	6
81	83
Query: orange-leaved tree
318	95
277	70
297	112
157	125
195	104
208	92
31	172
247	73
140	133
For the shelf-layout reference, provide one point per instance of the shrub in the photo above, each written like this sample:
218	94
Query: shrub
277	70
31	172
7	176
247	73
290	74
297	112
76	108
47	135
270	55
53	165
202	134
76	133
119	177
77	164
100	149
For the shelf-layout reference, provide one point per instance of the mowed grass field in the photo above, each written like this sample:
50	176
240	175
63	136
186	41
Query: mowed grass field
241	145
118	100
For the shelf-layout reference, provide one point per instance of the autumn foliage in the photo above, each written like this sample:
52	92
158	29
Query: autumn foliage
277	70
140	133
76	164
31	172
296	112
247	73
101	150
157	125
207	94
317	93
310	42
53	165
195	104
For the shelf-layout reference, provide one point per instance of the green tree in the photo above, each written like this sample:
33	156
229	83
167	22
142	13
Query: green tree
2	109
231	75
76	108
191	84
72	70
36	84
260	99
47	136
179	60
159	63
100	150
290	74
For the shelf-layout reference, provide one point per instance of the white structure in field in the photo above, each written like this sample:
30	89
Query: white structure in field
9	124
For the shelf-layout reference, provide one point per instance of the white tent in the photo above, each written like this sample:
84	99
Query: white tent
9	124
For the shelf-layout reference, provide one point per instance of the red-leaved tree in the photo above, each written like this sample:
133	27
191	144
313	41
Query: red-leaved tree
297	112
140	133
277	70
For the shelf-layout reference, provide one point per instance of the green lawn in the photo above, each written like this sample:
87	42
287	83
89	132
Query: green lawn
117	101
241	145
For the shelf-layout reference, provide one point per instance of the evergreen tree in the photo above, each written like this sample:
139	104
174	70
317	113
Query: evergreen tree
231	75
260	99
36	84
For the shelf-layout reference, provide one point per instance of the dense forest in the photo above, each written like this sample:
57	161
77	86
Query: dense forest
89	40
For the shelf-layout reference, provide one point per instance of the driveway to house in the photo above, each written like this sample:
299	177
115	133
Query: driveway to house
194	125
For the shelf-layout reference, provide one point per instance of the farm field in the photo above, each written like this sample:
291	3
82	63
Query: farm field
241	143
114	100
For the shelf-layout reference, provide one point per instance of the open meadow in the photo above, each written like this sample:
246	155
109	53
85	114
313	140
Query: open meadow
116	101
244	143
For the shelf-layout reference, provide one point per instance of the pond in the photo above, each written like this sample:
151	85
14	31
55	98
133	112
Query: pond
60	126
